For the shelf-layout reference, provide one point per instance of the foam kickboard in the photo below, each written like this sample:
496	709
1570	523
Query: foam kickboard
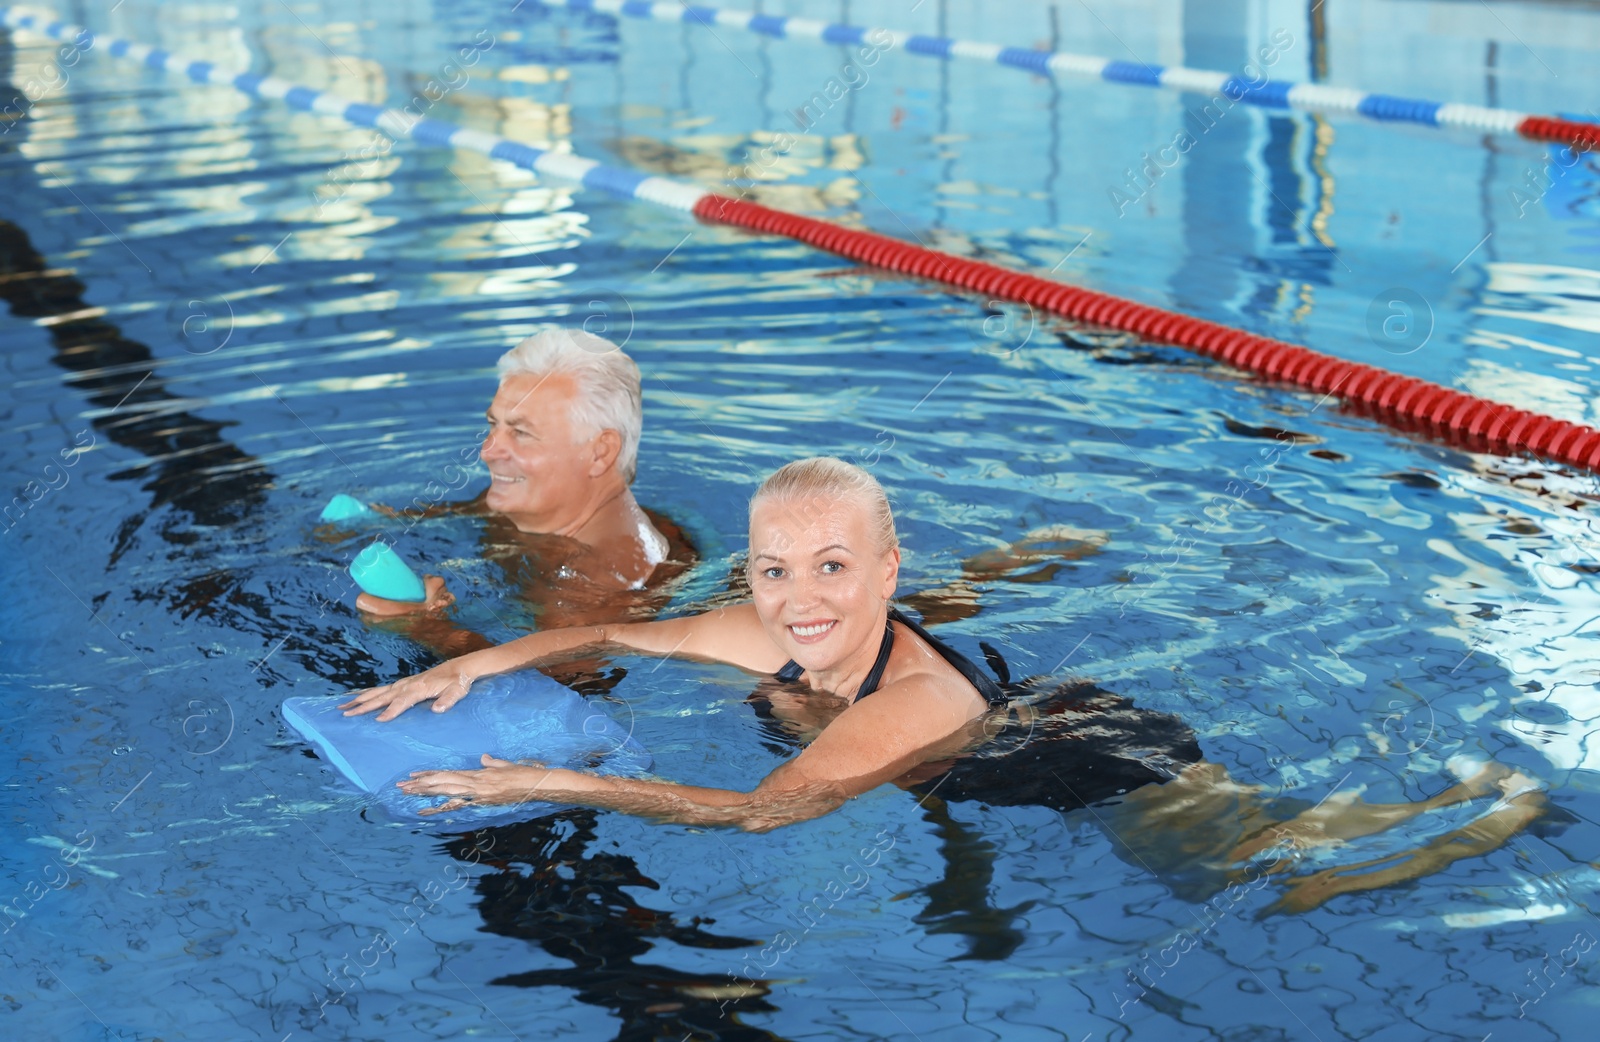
515	716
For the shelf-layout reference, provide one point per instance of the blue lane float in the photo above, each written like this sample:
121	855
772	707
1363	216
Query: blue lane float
1257	89
1224	89
1413	405
515	716
395	123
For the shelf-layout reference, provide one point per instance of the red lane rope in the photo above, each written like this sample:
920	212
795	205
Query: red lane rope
1580	137
1412	405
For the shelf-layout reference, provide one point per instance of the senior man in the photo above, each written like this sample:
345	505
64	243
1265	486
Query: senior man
562	522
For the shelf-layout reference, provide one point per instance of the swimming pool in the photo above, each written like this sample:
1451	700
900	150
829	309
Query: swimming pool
222	312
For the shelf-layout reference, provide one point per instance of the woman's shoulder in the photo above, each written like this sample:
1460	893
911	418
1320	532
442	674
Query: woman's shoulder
991	687
921	671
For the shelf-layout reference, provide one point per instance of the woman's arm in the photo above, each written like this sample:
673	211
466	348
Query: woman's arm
872	742
502	782
733	635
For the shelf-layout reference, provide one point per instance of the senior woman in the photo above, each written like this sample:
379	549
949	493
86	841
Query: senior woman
824	564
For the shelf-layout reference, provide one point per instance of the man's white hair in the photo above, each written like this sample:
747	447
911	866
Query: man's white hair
608	384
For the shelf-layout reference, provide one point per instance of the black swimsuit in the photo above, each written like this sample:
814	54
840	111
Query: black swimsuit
986	685
1078	744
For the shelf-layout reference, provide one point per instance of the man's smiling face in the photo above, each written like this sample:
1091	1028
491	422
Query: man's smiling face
537	463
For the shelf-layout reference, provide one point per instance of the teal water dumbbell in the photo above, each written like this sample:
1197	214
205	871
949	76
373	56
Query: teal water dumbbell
379	571
344	508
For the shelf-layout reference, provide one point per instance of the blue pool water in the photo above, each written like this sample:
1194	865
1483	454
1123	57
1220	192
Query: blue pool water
221	312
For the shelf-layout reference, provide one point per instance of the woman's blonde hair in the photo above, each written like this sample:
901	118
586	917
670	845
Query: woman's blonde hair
828	476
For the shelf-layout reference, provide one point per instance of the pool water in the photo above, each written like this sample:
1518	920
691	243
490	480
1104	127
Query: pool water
222	311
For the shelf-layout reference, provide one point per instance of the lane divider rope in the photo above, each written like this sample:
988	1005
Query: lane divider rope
1253	90
393	122
1410	404
1407	403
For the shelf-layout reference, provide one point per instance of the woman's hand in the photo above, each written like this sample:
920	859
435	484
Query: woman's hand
499	782
446	684
438	598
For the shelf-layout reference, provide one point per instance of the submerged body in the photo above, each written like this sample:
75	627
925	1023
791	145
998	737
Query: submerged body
824	564
869	698
561	519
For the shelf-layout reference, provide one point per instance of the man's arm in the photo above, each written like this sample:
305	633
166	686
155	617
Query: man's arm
426	623
1051	547
473	507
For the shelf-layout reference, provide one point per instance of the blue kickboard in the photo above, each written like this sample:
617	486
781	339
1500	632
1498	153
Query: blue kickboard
515	716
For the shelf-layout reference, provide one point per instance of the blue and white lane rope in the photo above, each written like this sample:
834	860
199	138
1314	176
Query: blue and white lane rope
1310	97
1408	403
393	122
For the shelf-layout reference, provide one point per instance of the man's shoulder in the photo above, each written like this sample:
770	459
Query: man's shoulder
679	546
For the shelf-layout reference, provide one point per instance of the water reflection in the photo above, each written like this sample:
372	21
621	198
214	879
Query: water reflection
559	890
190	464
959	903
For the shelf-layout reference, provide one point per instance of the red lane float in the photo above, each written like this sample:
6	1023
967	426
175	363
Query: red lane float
1580	137
1409	404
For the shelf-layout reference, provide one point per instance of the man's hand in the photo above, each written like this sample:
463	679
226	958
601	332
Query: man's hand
437	600
446	684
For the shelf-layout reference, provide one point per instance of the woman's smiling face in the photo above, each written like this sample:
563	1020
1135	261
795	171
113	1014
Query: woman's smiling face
820	579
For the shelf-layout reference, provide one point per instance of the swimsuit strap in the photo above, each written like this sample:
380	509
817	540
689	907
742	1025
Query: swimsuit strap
986	685
792	670
875	674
